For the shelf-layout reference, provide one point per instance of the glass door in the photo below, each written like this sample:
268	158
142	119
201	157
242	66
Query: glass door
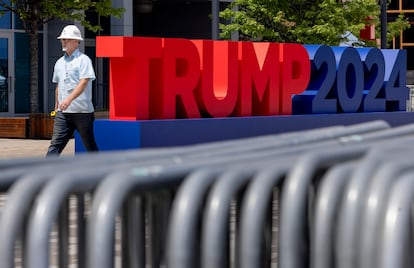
6	74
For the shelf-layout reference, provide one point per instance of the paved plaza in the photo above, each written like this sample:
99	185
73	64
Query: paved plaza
21	148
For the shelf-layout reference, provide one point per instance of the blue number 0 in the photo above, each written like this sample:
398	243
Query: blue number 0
349	79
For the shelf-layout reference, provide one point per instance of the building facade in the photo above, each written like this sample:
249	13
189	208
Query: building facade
406	38
158	18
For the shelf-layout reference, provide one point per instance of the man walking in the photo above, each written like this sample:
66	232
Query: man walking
73	74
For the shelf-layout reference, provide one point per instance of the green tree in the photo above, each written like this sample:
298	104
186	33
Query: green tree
34	13
394	28
302	21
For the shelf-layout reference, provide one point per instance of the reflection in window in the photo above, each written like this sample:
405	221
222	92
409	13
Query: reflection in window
4	96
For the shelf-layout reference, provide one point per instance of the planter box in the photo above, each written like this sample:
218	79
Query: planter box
14	127
41	126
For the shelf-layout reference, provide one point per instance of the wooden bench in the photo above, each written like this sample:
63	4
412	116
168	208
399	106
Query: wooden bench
14	127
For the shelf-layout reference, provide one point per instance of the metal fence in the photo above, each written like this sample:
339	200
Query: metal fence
333	197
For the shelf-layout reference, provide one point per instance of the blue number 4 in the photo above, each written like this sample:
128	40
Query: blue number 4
395	81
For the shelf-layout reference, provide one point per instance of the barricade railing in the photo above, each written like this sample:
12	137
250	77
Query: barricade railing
395	248
334	197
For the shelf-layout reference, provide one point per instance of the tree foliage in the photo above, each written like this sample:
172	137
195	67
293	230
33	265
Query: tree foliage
34	13
394	28
302	21
38	12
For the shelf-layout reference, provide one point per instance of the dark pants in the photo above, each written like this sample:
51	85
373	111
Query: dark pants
64	127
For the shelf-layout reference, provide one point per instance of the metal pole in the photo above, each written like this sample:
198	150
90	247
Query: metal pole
215	9
383	23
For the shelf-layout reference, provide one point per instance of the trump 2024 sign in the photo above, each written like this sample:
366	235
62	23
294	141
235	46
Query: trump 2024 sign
167	78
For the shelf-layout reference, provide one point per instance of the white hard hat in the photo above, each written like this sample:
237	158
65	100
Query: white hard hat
70	32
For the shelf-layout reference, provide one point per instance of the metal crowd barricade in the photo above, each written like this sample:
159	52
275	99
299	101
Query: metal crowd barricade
103	252
293	252
355	198
374	206
396	235
330	192
300	199
215	235
254	212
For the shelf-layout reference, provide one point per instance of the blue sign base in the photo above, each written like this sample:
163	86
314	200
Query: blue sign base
121	135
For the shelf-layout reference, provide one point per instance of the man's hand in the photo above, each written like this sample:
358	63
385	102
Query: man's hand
64	105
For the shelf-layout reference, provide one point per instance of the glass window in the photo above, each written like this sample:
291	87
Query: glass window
5	20
40	71
4	69
22	73
19	25
393	5
408	4
408	35
410	58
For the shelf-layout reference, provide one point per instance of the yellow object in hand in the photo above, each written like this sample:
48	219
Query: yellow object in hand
53	113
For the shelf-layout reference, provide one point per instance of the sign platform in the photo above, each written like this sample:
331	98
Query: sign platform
121	135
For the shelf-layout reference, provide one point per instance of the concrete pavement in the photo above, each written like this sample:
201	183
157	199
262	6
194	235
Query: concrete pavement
21	148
